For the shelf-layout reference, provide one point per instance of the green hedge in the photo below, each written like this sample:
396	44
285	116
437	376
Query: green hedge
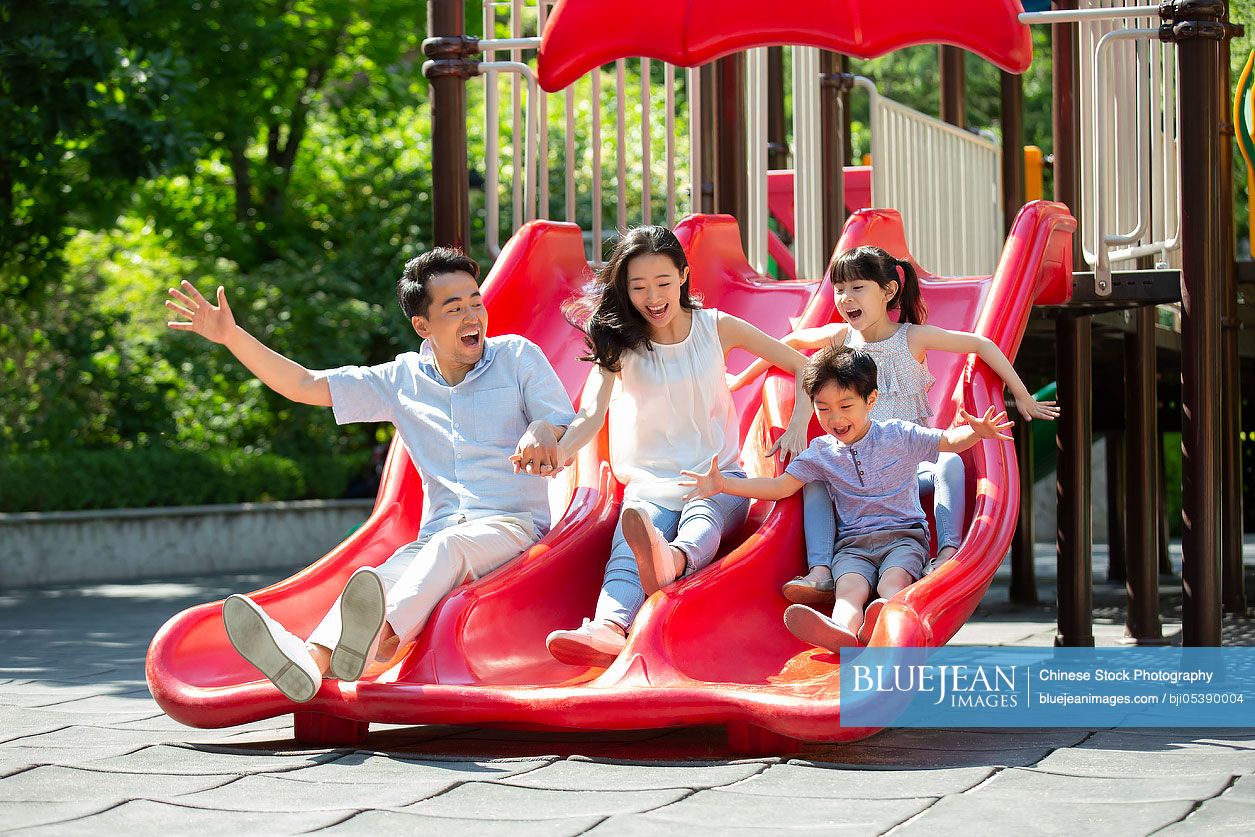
142	477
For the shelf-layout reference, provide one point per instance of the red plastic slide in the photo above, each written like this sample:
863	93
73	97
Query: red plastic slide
711	649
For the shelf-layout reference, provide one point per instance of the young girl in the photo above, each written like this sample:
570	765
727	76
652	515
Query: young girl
659	371
868	283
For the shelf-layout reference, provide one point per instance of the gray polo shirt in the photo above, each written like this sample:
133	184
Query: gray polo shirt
461	437
872	482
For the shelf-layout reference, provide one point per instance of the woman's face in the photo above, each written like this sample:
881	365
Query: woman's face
653	283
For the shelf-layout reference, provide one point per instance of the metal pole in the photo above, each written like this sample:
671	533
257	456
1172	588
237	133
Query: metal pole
730	185
1233	579
832	124
777	142
1141	412
1202	261
952	65
1023	588
708	137
448	68
1073	543
1117	524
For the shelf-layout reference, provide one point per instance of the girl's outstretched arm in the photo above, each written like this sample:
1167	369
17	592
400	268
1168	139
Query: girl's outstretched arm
735	333
594	402
924	338
806	338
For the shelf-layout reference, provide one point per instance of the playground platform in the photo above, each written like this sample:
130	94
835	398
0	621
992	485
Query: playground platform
84	749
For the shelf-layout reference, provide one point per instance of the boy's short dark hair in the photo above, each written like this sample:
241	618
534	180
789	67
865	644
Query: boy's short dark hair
852	369
413	291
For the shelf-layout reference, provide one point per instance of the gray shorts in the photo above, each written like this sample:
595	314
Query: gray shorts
871	554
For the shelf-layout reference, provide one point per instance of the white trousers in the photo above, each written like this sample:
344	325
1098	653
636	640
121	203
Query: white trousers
420	574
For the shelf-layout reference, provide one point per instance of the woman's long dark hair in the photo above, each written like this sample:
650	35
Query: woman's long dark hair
610	322
875	265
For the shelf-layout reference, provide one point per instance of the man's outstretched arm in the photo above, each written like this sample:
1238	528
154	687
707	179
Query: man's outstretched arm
216	324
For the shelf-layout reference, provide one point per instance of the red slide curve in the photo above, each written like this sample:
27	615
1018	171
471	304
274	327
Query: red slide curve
710	649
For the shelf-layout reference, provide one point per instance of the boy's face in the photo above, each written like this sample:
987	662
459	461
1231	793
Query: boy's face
457	321
843	413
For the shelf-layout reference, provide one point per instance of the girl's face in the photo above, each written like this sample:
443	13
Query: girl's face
653	283
863	302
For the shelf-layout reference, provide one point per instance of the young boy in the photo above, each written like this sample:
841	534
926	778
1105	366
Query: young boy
869	469
481	418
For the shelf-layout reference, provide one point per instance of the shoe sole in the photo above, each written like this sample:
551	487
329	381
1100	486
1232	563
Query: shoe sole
869	621
814	628
800	593
361	616
576	653
636	534
249	634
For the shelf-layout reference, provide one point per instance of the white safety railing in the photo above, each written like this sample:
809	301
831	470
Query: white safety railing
1130	136
946	182
595	193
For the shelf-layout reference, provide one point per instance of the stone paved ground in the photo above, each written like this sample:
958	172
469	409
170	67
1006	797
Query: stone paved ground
84	750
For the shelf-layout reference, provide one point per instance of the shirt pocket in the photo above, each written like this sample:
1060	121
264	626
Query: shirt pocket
499	417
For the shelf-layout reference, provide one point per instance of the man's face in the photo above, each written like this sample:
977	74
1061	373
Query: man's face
456	321
843	413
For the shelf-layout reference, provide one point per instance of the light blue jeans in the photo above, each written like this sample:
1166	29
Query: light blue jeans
942	479
697	531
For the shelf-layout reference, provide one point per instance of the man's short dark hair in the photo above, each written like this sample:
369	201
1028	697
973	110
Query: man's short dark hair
413	288
852	369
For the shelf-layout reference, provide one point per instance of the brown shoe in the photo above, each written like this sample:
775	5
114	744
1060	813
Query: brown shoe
803	591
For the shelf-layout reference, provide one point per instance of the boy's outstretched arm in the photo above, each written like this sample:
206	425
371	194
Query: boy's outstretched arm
989	426
216	324
944	340
712	481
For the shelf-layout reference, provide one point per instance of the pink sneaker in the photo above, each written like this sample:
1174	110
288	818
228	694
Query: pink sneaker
654	560
869	620
811	626
591	644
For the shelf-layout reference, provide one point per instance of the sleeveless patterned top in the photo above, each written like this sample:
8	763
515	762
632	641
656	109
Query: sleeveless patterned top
902	380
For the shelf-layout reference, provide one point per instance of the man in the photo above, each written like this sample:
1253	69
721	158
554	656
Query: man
463	404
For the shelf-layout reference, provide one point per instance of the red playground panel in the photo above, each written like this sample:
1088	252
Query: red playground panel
712	649
583	34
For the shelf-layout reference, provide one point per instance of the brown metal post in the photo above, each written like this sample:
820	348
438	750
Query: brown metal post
1117	452
1202	257
832	103
1023	587
1143	451
448	68
1073	539
777	143
953	66
731	195
1233	577
709	135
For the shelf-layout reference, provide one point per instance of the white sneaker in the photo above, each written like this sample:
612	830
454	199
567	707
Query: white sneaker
361	616
591	644
654	559
274	651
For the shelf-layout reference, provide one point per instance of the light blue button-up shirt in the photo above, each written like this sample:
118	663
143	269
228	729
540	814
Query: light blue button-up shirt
461	437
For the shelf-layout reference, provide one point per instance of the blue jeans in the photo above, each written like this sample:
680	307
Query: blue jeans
943	480
697	531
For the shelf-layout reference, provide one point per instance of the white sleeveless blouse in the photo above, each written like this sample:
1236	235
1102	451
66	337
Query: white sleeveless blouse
671	410
903	382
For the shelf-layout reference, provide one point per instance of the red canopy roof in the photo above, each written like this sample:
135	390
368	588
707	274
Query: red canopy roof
583	34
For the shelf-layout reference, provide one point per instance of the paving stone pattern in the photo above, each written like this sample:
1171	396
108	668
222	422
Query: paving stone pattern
84	750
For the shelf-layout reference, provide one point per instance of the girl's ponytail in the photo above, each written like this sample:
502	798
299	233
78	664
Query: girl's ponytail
909	300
